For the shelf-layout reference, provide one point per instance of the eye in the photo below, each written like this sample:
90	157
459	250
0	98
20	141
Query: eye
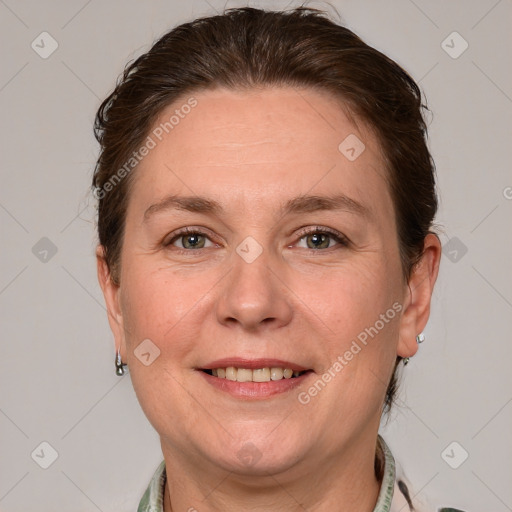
189	238
316	238
320	238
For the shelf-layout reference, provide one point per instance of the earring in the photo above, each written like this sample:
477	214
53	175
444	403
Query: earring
119	364
419	339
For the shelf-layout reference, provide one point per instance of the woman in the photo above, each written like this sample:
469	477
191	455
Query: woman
266	198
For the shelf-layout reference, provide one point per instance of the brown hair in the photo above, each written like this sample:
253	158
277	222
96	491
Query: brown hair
246	48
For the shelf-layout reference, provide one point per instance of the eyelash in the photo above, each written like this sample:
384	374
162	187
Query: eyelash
342	239
336	235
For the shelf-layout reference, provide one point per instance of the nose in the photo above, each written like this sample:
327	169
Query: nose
255	295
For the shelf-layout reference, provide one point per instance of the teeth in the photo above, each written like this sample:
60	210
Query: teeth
243	375
257	375
261	375
231	373
276	373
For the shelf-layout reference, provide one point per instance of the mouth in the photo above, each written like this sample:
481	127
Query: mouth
252	379
265	374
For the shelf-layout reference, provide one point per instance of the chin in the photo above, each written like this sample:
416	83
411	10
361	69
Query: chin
259	455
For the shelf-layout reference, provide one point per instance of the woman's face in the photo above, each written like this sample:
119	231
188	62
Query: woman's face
292	261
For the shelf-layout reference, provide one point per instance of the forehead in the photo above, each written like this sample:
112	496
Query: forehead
260	145
259	123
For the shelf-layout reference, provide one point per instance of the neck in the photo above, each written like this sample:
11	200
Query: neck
344	481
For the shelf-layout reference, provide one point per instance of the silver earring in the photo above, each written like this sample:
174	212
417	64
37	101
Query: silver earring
119	364
419	339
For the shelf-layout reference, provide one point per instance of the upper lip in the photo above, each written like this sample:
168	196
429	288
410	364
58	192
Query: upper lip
252	364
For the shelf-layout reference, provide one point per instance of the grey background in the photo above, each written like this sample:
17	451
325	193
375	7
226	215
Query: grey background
57	376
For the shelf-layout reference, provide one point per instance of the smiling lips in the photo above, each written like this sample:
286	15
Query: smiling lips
257	375
256	378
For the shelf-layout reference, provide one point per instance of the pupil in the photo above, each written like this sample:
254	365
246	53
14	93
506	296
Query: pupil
317	238
192	240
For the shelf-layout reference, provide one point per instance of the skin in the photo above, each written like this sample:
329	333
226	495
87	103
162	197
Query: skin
251	151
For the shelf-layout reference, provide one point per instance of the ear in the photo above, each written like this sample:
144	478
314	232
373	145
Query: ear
418	296
111	295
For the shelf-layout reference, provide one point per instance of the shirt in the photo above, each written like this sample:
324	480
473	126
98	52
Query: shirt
394	495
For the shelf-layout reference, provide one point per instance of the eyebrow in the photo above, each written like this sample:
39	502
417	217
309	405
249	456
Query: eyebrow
299	204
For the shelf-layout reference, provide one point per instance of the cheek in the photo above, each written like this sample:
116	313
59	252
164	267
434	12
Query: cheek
361	309
352	299
161	306
162	311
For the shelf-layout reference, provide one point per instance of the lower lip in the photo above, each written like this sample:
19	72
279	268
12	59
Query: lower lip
255	390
